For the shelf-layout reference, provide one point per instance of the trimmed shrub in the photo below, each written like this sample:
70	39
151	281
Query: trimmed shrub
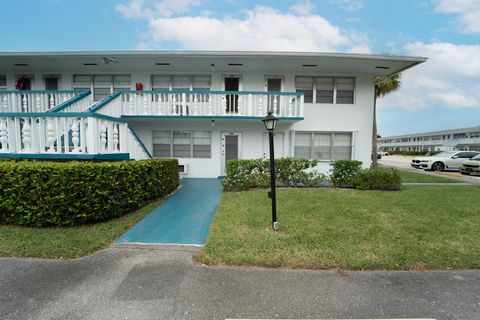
255	173
344	172
73	193
387	179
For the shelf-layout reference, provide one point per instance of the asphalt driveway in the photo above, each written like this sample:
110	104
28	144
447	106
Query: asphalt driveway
164	284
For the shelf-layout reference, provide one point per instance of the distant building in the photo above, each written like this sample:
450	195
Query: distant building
467	139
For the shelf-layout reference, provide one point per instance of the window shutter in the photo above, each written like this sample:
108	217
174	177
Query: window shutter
345	90
305	85
324	88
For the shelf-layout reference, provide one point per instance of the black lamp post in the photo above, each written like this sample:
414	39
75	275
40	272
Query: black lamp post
270	122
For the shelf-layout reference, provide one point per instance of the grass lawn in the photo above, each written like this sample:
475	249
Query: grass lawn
419	227
420	176
66	242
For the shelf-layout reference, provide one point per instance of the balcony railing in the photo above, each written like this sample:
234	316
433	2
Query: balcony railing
67	134
202	104
38	101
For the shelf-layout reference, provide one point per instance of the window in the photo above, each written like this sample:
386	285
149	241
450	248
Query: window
323	145
182	144
324	88
101	85
345	88
182	141
202	144
305	85
3	82
181	82
339	90
162	141
160	82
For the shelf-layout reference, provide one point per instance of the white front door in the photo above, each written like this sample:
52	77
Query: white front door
231	147
278	143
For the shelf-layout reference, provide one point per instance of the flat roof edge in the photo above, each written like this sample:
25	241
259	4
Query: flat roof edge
217	54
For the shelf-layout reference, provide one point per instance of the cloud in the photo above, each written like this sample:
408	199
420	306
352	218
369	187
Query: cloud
450	78
467	11
348	5
260	28
138	9
302	8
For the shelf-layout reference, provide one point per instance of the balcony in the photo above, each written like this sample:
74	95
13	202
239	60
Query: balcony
15	101
202	104
69	135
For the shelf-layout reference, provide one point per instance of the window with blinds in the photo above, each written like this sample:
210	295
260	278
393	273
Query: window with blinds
160	82
3	82
345	89
182	141
324	90
202	144
305	85
181	82
182	144
338	90
323	145
162	144
101	85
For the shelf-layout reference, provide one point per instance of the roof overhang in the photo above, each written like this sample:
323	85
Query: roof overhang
206	61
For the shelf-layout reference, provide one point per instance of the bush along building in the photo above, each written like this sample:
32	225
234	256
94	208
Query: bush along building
203	108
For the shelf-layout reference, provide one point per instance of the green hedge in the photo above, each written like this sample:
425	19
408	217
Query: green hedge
387	179
255	173
73	193
411	153
344	173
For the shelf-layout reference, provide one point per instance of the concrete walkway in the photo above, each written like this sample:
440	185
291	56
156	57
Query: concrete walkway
184	218
152	284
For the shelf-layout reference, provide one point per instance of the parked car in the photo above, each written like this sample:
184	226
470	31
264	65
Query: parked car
384	153
447	160
379	155
471	167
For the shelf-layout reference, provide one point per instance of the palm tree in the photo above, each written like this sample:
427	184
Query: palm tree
383	86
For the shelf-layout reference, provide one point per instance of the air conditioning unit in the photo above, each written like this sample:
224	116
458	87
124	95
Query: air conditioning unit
183	169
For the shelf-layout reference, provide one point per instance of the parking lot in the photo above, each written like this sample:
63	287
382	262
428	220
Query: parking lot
403	162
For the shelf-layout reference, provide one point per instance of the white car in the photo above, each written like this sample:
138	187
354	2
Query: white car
448	160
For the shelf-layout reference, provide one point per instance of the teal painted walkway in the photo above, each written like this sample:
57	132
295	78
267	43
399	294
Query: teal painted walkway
183	218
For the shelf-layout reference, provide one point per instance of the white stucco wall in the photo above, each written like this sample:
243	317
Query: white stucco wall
356	118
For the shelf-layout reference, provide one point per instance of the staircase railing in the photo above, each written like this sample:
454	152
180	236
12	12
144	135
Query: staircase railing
37	100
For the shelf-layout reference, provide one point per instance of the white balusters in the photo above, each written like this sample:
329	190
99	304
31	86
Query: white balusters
75	136
24	103
27	135
210	104
5	103
130	102
145	104
160	104
275	105
174	105
38	103
51	102
260	106
3	135
115	137
195	105
50	135
206	104
103	136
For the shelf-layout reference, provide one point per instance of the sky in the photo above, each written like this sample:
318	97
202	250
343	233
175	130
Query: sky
443	93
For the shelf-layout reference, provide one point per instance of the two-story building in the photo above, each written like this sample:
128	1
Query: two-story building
203	108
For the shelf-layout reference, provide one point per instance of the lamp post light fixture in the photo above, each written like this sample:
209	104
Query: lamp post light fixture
270	122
